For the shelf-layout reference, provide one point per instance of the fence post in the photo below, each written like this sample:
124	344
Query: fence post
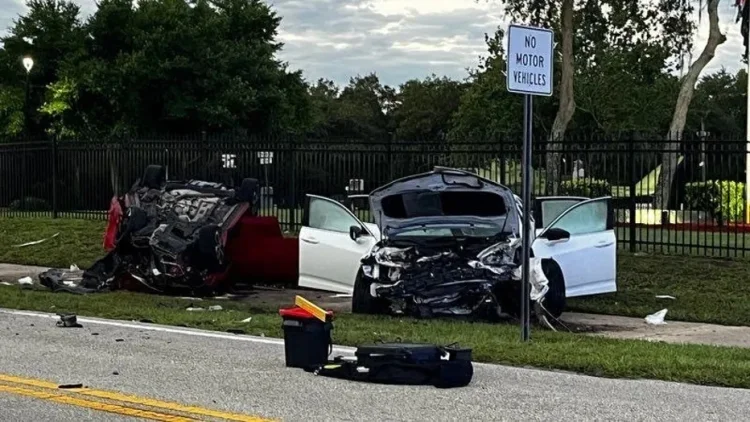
204	156
54	176
632	203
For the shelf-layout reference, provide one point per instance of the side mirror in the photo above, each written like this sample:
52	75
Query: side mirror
355	232
556	234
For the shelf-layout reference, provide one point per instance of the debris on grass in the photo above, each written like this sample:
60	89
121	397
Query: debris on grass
246	320
26	281
215	308
665	297
36	242
192	309
657	318
5	283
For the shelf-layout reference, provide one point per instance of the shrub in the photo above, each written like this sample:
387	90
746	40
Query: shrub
29	204
722	199
590	188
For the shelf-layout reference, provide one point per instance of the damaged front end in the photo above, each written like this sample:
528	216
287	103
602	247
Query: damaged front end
450	245
170	235
459	279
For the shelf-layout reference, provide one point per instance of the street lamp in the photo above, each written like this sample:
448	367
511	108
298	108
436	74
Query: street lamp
28	63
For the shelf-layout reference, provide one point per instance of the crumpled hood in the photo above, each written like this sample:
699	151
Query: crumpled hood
442	196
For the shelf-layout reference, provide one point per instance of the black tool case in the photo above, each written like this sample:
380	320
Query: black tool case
405	363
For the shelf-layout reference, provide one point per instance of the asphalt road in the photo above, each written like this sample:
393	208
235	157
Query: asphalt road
247	375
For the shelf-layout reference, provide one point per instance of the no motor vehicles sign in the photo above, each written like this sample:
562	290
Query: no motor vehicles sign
530	59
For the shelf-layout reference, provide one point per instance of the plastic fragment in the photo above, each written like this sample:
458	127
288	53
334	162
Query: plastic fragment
665	297
25	280
657	318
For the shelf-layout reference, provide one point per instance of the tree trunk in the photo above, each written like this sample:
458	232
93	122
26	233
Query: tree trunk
567	100
669	157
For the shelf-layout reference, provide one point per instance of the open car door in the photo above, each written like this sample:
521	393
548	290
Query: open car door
582	240
329	256
547	208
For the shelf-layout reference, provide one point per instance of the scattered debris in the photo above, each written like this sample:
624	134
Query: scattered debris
215	308
36	242
657	318
26	280
68	321
74	267
191	309
5	283
70	386
115	373
94	334
118	340
342	295
197	299
665	297
246	320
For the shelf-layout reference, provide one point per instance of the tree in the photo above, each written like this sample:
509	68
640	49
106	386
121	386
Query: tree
51	33
181	67
585	24
669	157
424	108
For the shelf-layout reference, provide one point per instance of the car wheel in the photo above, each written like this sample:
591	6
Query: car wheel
554	301
248	191
362	300
154	177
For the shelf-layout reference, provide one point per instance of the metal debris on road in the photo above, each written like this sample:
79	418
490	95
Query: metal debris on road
68	321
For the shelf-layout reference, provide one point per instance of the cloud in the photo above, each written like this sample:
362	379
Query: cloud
400	39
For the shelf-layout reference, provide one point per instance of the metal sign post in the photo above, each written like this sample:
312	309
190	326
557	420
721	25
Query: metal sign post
529	72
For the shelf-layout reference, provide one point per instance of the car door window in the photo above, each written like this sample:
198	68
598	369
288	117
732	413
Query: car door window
327	215
553	209
589	217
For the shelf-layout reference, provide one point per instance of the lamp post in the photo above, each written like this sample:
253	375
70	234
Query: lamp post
28	64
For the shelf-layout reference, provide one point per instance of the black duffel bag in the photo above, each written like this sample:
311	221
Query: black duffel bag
405	364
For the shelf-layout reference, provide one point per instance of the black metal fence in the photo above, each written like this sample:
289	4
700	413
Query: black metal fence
76	179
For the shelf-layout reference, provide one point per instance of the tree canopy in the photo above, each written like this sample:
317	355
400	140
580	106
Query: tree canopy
185	66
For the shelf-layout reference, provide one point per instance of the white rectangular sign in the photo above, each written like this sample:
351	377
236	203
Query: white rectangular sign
530	60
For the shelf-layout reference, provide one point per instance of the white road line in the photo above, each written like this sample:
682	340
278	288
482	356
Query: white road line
166	329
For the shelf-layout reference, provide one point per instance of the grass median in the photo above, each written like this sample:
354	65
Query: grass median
492	343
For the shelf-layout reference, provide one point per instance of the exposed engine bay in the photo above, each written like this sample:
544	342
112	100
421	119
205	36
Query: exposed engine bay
449	245
457	278
171	235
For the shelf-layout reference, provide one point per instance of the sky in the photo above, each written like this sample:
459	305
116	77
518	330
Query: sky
403	39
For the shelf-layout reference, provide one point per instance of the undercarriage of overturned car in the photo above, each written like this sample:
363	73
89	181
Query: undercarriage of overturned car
164	235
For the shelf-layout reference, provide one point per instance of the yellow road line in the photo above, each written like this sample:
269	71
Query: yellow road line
94	405
110	395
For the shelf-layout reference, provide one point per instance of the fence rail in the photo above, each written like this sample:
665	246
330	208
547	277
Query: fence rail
703	212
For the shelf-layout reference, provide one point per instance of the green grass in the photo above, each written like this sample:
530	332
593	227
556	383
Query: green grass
711	290
79	241
493	343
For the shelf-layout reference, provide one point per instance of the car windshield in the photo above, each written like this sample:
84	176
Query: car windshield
475	230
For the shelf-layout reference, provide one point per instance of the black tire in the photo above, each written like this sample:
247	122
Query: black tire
362	300
554	301
248	191
154	177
